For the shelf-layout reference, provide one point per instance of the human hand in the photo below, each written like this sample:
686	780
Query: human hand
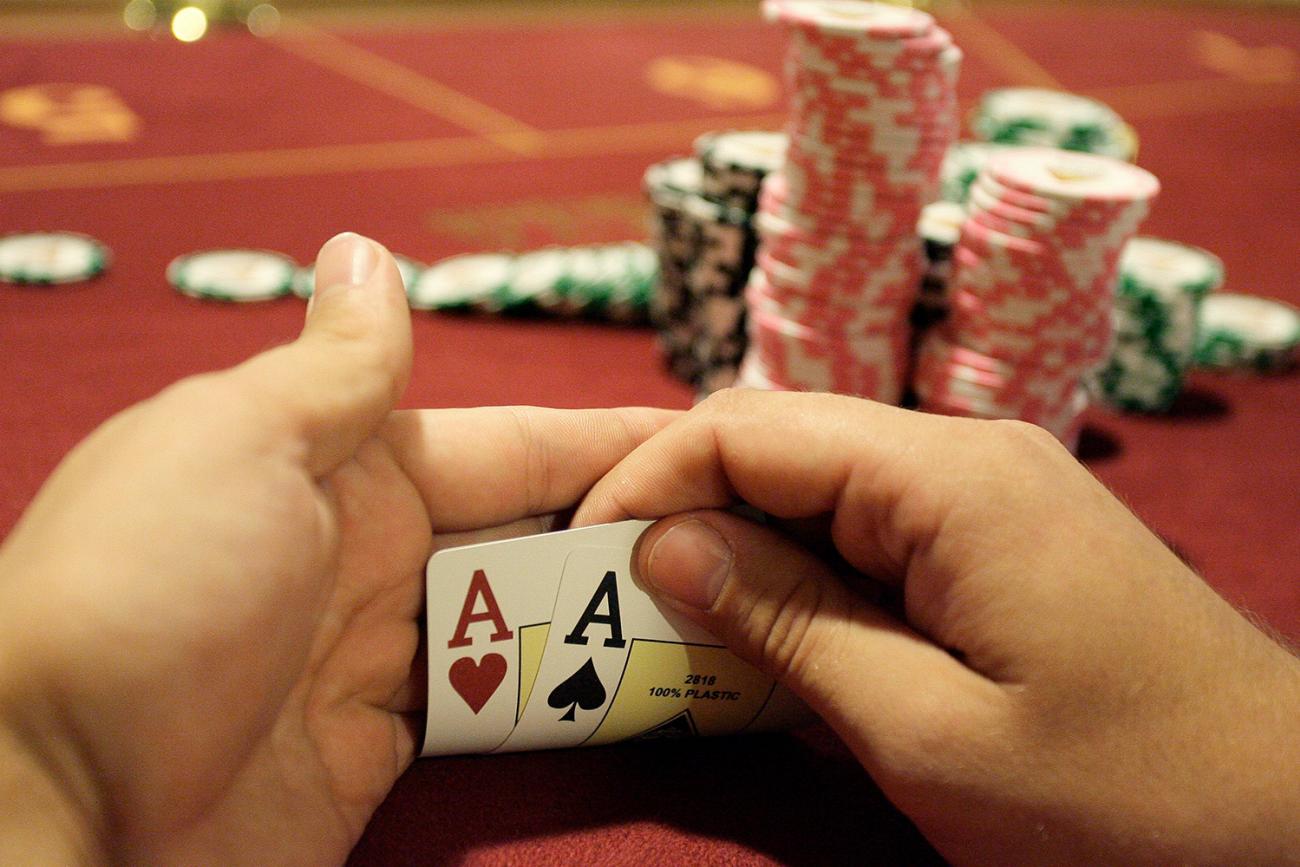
1058	686
208	616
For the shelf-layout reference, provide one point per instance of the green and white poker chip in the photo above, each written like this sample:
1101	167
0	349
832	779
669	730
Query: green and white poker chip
1247	332
1172	266
472	280
1052	118
49	258
304	281
613	282
233	275
1157	298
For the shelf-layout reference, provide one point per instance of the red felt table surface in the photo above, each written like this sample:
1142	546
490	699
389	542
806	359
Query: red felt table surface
439	134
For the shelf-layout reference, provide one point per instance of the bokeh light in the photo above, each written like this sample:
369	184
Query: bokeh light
189	24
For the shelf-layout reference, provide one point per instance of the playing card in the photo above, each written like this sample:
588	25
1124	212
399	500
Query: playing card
488	613
618	664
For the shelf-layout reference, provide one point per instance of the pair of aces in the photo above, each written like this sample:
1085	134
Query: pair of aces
546	641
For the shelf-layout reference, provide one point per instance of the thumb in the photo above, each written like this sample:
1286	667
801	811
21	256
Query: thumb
786	612
349	367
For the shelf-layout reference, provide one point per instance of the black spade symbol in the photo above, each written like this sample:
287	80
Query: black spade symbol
582	689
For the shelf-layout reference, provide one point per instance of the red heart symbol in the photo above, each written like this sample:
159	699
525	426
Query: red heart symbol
476	681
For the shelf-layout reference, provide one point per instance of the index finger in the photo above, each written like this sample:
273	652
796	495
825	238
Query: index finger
796	455
489	466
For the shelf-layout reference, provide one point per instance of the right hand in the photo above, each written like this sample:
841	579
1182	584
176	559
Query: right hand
1058	686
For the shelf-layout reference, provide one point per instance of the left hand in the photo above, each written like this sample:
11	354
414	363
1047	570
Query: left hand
208	616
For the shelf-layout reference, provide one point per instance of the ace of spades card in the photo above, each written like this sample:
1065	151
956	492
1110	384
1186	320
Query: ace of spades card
488	613
618	665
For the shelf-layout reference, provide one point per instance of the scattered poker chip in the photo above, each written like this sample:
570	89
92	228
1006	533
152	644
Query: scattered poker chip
48	258
1052	118
612	282
304	280
233	275
473	280
1247	332
1157	300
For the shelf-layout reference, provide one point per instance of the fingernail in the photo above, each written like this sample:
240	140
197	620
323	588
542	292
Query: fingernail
345	260
689	563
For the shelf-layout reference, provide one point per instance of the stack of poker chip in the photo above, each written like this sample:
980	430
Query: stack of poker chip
1157	301
701	224
674	234
1038	117
1031	294
735	165
873	112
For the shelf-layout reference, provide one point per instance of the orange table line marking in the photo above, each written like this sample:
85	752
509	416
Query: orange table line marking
980	39
379	73
655	138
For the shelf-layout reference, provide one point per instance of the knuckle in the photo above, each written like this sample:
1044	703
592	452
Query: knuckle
536	461
792	632
1020	438
724	401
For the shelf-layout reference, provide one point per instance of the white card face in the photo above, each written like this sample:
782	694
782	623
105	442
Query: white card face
488	613
618	665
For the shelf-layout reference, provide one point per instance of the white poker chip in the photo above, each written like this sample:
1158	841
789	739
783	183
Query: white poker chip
756	150
304	281
47	258
1072	176
941	223
668	183
233	275
851	17
1171	266
471	280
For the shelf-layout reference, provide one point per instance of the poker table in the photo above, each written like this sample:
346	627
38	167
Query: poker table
441	130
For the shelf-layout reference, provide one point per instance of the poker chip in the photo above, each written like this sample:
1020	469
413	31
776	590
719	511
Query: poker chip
1052	118
233	275
49	258
961	165
734	164
1031	295
469	281
873	111
1157	300
1245	332
304	280
611	282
